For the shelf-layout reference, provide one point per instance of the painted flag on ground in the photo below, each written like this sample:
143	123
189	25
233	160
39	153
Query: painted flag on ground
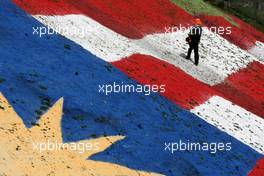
126	42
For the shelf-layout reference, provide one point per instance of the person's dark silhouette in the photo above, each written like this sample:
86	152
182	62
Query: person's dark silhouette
194	39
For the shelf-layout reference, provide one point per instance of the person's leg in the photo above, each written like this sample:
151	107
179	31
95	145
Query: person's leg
189	52
196	54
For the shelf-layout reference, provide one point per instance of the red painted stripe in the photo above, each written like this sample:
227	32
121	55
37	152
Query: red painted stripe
131	18
246	88
243	88
47	7
181	88
258	170
246	28
136	18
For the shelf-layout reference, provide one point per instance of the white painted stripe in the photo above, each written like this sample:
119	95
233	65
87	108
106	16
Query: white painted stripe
219	58
233	120
258	50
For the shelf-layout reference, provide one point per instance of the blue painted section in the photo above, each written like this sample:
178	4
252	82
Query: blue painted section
35	72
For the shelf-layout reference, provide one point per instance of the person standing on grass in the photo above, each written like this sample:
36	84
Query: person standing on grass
193	40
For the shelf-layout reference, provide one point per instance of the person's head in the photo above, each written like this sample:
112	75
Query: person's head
197	22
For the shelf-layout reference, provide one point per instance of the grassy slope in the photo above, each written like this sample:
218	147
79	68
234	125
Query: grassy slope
247	14
200	7
258	24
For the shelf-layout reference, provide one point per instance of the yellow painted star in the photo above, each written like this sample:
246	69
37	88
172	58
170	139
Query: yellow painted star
19	155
